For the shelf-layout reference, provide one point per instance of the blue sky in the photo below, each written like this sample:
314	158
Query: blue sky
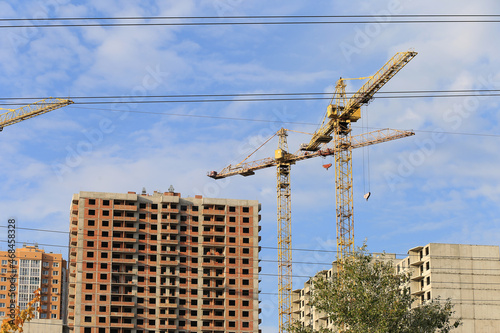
433	187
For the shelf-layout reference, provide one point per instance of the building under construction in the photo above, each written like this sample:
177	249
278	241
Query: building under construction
469	275
161	263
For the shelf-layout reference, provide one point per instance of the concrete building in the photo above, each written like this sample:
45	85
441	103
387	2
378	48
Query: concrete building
44	326
303	312
469	275
35	269
161	263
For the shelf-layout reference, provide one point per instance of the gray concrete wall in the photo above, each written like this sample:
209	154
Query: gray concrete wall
44	326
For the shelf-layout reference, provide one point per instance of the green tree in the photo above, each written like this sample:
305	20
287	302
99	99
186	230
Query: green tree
368	296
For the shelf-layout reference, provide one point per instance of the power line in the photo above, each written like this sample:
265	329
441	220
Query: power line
200	116
32	229
244	17
208	97
275	99
158	252
405	255
264	20
269	121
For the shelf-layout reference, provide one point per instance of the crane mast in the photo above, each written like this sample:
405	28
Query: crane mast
13	116
283	166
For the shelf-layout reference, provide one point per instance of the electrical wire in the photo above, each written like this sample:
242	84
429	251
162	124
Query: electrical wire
198	116
270	121
257	94
262	20
405	255
243	17
238	97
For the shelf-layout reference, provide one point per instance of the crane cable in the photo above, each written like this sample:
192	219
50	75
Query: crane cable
366	173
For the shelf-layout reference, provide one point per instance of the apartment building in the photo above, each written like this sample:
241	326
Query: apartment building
35	269
469	275
161	263
302	310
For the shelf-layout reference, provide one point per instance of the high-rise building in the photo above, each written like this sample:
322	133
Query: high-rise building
161	263
468	275
35	269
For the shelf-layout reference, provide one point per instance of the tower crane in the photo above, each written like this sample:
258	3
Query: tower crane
337	121
340	116
283	160
13	116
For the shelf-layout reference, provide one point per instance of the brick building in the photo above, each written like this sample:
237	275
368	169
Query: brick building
161	263
35	269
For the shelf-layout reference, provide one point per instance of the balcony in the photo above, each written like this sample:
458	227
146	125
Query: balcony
122	282
124	260
122	325
124	249
130	208
125	229
168	262
167	305
213	253
124	239
120	290
123	303
417	278
169	241
213	263
213	219
122	314
418	293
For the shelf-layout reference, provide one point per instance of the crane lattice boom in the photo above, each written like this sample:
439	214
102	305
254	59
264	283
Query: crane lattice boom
358	141
13	116
350	111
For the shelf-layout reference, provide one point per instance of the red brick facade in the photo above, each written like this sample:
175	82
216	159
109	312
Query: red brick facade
162	263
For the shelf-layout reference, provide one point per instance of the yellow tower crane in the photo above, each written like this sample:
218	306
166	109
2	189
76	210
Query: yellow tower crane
340	115
13	116
283	161
337	121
